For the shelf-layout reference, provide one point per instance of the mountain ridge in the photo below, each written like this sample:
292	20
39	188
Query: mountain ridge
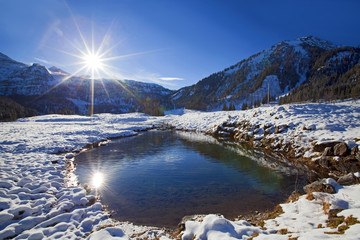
54	90
303	69
283	67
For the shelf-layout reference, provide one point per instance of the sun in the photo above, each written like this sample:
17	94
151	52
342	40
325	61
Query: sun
93	61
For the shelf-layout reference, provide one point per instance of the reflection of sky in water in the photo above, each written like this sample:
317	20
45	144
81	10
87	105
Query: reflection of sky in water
159	177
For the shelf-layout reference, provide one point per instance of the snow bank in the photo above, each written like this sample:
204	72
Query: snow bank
217	227
306	124
36	203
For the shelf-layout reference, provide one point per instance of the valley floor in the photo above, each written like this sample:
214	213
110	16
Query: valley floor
40	198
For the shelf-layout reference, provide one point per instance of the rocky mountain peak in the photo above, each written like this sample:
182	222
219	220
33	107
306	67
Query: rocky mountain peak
278	70
56	70
310	41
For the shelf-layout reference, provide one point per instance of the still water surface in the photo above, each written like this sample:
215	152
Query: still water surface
158	177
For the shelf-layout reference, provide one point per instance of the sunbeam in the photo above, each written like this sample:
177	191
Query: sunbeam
93	60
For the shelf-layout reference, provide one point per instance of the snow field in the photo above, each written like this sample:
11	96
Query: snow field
36	202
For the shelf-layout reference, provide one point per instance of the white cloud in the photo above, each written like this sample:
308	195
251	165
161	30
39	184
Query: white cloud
171	79
42	60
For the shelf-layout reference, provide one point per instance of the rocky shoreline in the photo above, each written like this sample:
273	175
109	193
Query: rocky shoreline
329	159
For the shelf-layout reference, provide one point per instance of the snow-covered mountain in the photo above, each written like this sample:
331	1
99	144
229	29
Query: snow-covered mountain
54	90
304	69
280	69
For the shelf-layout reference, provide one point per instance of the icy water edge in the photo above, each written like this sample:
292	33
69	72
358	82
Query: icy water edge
158	177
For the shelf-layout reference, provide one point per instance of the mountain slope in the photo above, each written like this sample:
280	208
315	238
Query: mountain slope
53	90
334	75
280	69
10	110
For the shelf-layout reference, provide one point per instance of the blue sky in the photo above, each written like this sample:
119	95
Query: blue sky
173	43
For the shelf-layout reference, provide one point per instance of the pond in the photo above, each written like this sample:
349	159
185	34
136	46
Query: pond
158	177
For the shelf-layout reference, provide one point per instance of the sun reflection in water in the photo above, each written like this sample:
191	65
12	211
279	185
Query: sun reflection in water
97	180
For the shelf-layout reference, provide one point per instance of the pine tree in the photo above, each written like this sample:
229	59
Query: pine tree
244	106
231	107
225	108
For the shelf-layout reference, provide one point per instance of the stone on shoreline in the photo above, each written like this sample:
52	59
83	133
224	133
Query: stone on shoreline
319	186
348	179
340	149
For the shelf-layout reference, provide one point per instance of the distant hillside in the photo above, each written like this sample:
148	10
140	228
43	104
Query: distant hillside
55	91
279	70
10	110
335	75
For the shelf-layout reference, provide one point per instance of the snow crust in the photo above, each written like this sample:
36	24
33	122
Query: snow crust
40	199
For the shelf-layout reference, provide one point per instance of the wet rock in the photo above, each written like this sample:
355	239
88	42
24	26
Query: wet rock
319	186
89	146
348	179
320	147
340	149
69	155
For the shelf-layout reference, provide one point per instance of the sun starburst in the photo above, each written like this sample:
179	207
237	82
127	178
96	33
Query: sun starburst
93	61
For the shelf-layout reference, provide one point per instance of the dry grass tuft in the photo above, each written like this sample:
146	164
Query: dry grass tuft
310	196
255	234
283	231
340	223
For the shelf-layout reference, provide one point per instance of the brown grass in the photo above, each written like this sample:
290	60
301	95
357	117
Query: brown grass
326	207
277	212
310	196
255	234
335	221
283	231
293	238
293	197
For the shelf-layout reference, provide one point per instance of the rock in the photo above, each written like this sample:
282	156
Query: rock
277	130
328	152
280	129
325	162
267	125
320	147
242	137
348	179
347	165
69	155
319	186
311	127
355	150
340	149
